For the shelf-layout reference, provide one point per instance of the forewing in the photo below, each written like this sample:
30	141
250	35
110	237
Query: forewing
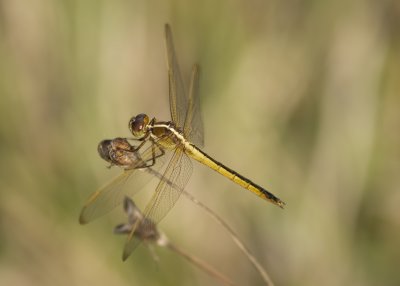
193	127
168	191
177	97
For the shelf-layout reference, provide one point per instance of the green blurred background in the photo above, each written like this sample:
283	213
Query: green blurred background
300	96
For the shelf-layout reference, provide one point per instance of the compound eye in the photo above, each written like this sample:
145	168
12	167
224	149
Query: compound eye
104	148
138	124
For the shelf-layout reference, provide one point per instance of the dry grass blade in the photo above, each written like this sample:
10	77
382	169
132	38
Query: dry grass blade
257	265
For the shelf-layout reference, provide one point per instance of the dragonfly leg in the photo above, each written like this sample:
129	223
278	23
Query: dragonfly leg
149	163
135	149
154	157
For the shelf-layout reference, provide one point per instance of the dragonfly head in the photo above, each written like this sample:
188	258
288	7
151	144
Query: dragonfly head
138	125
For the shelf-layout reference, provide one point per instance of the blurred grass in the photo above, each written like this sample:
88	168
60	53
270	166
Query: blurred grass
304	94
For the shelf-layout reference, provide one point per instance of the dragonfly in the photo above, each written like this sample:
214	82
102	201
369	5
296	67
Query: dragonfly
177	141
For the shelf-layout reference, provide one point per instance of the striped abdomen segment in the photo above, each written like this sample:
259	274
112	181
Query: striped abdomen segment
203	158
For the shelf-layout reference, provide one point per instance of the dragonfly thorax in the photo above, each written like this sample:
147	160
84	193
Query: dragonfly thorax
166	133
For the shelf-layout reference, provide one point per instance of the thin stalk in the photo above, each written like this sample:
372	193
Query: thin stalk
253	260
201	264
263	273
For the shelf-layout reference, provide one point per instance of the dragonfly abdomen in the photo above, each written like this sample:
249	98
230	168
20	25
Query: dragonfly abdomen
242	181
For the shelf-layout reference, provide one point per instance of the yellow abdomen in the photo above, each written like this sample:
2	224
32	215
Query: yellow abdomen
242	181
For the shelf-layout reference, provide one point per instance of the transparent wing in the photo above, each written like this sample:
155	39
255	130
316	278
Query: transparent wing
112	194
193	127
168	191
178	100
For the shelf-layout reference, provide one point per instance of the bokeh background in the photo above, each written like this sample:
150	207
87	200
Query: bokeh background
300	96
